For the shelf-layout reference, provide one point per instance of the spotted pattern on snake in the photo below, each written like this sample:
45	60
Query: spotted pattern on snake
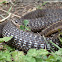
40	19
54	28
23	40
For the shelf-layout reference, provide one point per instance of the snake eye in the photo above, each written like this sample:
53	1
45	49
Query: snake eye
16	21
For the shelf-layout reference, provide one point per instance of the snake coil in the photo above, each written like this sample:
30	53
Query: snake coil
38	20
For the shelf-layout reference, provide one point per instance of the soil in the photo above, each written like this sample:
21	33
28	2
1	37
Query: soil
22	8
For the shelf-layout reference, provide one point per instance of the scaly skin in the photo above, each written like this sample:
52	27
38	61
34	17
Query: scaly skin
25	40
2	24
55	27
40	19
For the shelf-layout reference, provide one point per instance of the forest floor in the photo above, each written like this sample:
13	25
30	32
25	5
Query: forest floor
21	9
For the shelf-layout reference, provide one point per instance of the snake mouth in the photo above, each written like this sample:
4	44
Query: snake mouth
34	14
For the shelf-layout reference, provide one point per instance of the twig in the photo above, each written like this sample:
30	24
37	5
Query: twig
11	2
11	13
8	15
5	18
16	15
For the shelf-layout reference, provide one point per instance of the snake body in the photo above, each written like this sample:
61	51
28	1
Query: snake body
55	27
39	19
2	25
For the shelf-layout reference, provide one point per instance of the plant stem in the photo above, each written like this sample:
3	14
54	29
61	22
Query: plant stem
54	44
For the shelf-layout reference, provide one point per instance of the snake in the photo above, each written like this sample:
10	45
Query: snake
38	20
2	25
55	27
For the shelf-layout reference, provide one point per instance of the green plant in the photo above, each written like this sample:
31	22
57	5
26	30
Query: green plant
25	27
9	9
6	39
2	2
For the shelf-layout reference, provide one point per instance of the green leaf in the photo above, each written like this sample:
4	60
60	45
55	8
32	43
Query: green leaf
54	44
9	9
39	7
17	55
38	59
51	59
22	27
27	28
59	29
60	39
42	52
5	56
3	2
39	55
35	53
25	22
59	52
54	58
28	59
32	52
6	39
